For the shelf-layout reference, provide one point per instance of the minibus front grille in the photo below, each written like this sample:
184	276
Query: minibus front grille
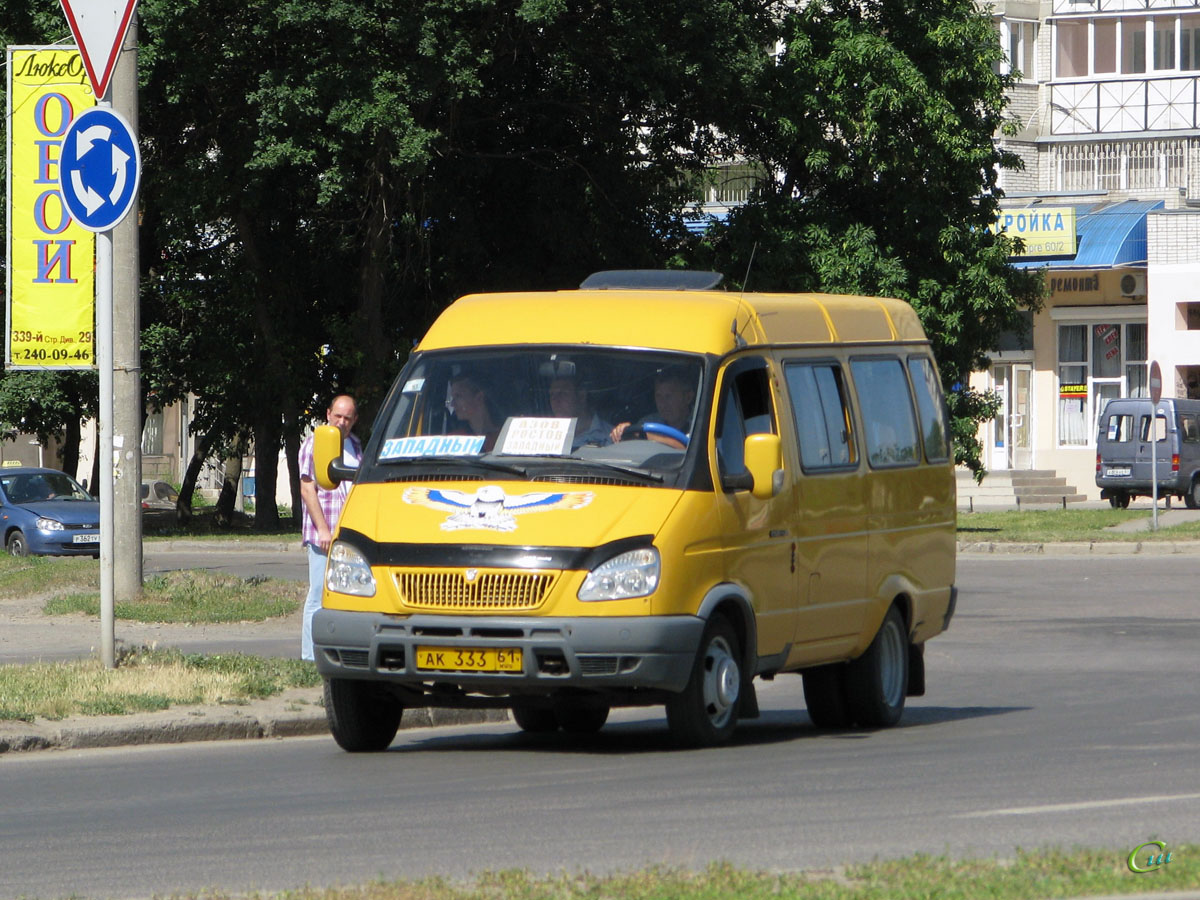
472	590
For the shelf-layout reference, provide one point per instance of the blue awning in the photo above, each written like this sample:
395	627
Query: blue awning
1111	235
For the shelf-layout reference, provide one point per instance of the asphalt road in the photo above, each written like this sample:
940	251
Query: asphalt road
1062	710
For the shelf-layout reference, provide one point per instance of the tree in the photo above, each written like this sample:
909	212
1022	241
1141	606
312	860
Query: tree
875	133
322	177
50	405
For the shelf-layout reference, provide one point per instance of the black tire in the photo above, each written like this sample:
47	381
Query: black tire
1119	501
17	544
362	717
825	696
706	711
581	719
1192	498
877	682
535	719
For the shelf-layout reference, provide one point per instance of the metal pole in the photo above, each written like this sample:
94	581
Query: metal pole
104	357
1154	465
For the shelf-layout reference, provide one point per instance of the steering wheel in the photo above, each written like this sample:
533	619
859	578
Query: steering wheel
656	431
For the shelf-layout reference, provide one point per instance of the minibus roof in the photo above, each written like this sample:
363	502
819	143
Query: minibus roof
686	320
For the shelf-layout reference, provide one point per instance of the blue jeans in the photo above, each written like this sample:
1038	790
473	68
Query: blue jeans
312	602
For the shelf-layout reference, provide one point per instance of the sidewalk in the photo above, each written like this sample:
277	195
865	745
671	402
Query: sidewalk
294	713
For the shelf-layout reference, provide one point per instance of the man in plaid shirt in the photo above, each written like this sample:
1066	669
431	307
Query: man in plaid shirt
322	509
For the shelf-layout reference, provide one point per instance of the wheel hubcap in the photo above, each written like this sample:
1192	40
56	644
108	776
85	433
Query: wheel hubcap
891	659
722	682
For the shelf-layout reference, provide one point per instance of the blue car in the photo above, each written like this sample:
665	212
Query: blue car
45	512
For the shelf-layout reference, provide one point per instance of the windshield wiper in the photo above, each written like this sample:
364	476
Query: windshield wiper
467	461
645	474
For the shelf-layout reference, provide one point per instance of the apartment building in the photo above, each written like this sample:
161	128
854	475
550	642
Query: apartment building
1108	98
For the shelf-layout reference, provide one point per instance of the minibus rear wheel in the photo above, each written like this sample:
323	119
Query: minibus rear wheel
535	719
1120	500
362	717
877	682
705	712
825	695
581	719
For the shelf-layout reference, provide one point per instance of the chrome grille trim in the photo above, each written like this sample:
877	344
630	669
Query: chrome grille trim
487	591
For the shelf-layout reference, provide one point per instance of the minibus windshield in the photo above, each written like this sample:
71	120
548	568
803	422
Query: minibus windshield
506	410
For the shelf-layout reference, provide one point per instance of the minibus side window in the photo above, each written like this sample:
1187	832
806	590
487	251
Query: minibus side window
1120	427
930	408
888	422
822	414
1160	428
745	409
1190	428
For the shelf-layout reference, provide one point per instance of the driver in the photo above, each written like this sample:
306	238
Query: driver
570	400
674	394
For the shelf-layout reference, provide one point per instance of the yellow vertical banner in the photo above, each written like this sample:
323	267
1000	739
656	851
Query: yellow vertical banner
51	288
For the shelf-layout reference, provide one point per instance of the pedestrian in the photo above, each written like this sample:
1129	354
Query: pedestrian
322	509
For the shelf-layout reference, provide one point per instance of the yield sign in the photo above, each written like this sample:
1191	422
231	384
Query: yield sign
99	27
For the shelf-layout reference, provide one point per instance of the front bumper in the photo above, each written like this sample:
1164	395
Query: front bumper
55	544
616	654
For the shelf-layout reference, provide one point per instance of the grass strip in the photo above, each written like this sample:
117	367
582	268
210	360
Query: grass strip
144	680
1076	525
193	597
1032	875
32	576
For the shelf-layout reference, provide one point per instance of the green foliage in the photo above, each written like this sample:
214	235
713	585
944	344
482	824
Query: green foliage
320	178
876	131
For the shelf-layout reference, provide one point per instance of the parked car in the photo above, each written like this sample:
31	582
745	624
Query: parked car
1124	446
47	513
158	495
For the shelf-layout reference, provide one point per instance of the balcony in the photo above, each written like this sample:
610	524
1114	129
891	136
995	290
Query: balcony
1124	106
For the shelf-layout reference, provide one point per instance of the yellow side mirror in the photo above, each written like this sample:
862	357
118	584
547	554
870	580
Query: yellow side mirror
327	447
764	462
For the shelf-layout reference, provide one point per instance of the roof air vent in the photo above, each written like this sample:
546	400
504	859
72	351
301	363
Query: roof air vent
651	280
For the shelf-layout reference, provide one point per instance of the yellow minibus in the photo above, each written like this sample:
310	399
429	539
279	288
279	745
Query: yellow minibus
647	491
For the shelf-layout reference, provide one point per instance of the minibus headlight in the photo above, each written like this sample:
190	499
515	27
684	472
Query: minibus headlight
347	572
632	574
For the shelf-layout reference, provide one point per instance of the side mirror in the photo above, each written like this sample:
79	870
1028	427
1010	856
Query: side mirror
327	458
764	462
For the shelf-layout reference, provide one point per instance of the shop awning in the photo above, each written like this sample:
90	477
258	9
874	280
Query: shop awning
1111	235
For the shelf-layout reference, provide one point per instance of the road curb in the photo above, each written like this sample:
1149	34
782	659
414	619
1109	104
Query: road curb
225	545
295	713
1079	548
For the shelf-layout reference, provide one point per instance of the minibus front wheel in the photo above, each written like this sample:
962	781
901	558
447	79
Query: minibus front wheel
705	712
362	717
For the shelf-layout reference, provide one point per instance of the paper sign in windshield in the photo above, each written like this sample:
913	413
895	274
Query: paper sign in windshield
530	436
432	445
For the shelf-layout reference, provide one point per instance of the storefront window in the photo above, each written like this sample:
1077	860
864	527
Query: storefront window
1135	361
1096	362
1072	384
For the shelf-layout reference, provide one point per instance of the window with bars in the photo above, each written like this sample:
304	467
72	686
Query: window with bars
1121	166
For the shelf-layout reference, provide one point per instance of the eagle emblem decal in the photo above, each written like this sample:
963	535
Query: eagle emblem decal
491	509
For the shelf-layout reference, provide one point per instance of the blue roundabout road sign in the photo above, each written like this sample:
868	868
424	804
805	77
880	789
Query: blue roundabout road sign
99	169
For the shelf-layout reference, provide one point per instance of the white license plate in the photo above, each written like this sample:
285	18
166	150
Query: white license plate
86	539
1117	470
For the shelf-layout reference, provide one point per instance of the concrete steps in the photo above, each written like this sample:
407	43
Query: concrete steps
1013	489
